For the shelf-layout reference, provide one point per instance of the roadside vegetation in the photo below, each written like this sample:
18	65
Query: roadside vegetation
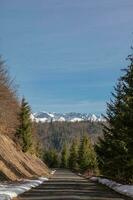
115	150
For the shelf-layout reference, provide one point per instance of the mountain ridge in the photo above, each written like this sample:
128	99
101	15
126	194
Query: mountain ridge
44	116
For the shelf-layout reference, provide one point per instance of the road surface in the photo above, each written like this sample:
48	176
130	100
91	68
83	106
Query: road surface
65	185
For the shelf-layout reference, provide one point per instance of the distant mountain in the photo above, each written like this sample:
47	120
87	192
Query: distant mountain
70	117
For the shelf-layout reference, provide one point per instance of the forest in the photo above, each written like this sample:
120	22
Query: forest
55	134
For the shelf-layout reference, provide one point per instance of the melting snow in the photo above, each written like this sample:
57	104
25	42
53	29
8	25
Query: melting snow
9	191
122	189
53	172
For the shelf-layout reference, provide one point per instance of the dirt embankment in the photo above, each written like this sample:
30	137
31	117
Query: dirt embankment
16	165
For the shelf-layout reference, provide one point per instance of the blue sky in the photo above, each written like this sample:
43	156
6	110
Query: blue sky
66	55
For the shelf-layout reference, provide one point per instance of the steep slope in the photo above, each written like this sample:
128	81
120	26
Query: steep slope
53	135
15	165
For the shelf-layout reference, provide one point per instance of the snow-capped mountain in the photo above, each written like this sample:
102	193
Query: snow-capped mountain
70	117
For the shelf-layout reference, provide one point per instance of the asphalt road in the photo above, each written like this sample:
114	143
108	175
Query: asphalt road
66	185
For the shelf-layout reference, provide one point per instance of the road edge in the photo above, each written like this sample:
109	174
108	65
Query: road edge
126	190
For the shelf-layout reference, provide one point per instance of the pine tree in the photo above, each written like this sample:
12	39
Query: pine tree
87	158
51	158
115	150
64	157
73	157
24	132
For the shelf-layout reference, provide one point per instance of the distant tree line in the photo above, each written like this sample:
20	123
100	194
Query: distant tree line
55	134
70	144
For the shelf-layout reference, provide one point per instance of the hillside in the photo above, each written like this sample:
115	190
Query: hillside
53	135
15	165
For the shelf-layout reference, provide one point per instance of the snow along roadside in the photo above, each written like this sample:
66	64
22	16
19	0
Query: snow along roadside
11	190
122	189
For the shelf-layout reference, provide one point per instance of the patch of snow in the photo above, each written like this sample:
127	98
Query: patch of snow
9	191
94	178
53	172
51	115
122	189
4	197
93	118
43	179
61	119
41	119
32	117
101	119
76	119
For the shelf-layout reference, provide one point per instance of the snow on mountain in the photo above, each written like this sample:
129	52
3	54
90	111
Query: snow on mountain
70	117
76	119
61	119
51	115
41	119
32	117
93	118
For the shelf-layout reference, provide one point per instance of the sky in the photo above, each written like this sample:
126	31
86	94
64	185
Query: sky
66	55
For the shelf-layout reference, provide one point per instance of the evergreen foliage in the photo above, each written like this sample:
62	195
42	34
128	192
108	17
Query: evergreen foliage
51	158
115	150
73	155
54	135
86	156
24	132
64	157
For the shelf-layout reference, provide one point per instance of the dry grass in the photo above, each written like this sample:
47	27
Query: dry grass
15	165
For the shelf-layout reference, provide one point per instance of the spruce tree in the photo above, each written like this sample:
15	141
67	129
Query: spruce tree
64	157
51	158
87	158
24	132
73	157
115	150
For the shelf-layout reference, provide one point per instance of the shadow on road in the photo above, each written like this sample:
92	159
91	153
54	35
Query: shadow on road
67	185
